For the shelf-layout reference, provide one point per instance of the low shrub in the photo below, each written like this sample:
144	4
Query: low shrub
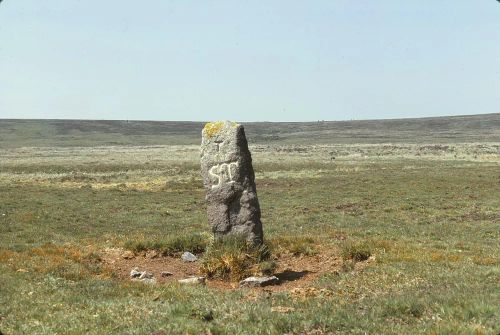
267	267
233	258
357	252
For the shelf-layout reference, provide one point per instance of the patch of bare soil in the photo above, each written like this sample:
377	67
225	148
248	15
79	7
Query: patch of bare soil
292	271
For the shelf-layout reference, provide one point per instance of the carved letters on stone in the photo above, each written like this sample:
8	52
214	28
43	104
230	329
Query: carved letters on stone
223	174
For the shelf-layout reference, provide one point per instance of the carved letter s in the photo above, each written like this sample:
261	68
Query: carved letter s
213	174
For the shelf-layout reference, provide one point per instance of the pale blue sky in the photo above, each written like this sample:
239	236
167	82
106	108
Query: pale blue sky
248	60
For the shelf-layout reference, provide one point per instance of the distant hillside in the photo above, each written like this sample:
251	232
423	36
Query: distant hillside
472	128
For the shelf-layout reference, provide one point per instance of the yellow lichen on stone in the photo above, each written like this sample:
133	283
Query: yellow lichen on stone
212	128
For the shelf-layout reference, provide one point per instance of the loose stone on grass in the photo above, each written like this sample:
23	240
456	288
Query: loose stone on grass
259	281
193	281
142	276
146	275
189	257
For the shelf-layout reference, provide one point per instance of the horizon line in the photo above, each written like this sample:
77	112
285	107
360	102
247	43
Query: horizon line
261	121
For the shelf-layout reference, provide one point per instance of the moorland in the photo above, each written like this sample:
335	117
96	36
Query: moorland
376	227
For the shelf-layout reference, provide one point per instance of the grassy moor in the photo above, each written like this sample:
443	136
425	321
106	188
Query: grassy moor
372	227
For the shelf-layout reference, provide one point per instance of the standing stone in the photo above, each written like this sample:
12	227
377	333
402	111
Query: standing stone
229	180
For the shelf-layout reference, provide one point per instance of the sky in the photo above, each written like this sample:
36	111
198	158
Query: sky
248	60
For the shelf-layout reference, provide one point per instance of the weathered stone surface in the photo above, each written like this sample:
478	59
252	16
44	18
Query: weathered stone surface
146	275
188	257
259	281
142	276
229	180
192	280
135	273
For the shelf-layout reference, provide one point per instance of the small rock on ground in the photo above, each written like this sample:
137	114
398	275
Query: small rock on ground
166	274
192	280
135	273
259	281
189	257
146	275
128	255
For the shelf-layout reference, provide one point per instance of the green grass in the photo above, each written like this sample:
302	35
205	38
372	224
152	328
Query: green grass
194	243
296	245
431	226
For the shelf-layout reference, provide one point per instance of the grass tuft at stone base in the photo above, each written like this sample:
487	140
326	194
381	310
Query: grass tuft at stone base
232	258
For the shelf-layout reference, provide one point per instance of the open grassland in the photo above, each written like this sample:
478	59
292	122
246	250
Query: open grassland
426	215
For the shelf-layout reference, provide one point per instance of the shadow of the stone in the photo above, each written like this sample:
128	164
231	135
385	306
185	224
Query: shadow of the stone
289	275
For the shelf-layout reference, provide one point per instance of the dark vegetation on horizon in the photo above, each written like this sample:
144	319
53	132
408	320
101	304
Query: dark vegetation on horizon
471	128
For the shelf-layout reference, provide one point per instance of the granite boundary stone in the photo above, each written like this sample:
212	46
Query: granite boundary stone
229	181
